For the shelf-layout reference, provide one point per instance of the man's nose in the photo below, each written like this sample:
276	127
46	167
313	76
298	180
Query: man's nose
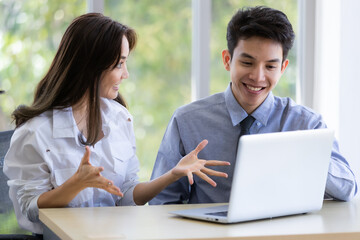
258	73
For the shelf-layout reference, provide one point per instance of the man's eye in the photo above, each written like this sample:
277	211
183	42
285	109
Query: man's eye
271	67
246	63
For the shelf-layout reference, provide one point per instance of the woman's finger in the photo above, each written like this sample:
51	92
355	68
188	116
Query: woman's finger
200	146
99	170
86	157
206	178
190	177
109	186
114	190
212	172
216	163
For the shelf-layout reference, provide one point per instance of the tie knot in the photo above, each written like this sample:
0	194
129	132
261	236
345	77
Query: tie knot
246	124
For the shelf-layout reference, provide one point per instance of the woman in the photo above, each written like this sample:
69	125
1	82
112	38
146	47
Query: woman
77	106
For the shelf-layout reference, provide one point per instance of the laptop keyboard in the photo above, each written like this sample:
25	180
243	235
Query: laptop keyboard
224	213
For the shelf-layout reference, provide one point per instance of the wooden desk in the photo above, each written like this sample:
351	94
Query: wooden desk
336	220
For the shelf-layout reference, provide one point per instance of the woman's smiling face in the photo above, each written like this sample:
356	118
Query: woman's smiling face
111	79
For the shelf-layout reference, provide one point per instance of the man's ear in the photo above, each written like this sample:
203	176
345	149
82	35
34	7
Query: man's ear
226	57
284	65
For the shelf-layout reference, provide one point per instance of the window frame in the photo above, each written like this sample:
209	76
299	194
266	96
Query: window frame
200	66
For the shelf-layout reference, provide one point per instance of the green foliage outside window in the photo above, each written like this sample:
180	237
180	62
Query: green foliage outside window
159	67
29	36
30	32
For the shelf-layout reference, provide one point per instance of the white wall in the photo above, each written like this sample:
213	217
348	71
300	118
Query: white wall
332	43
349	84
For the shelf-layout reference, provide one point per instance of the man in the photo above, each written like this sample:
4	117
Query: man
258	40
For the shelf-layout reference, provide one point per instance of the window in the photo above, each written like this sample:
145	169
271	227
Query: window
160	68
29	37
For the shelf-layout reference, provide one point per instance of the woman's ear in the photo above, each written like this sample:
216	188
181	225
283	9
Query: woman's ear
226	57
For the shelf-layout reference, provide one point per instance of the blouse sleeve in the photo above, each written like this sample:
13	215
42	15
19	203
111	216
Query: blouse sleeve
28	172
133	166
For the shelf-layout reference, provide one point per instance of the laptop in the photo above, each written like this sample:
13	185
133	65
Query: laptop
276	174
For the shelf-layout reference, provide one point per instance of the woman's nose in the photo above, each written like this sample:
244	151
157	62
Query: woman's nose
125	73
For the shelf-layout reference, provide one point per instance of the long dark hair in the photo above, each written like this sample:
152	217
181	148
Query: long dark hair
90	45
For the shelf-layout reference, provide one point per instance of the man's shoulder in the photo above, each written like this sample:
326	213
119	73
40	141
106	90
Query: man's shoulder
289	106
209	103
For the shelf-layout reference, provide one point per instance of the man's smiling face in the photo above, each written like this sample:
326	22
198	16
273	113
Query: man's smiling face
255	68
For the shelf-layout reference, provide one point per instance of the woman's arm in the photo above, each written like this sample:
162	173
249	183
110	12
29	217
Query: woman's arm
188	165
86	176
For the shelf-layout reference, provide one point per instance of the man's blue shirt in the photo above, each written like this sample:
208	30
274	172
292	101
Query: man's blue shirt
217	118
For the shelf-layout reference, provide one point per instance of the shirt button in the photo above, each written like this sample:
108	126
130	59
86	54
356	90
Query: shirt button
258	124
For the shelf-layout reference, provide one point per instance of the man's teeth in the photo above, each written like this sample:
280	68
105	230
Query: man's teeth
253	88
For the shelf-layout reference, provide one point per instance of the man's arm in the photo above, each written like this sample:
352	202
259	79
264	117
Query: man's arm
341	183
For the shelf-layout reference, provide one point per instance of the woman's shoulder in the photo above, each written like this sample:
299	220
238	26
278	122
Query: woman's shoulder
41	121
112	108
34	127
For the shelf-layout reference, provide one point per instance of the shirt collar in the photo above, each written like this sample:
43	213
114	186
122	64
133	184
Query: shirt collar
237	113
262	113
112	111
63	123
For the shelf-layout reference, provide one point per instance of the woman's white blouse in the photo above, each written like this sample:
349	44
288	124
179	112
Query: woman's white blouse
45	152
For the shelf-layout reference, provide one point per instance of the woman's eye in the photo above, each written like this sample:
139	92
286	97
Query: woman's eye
119	65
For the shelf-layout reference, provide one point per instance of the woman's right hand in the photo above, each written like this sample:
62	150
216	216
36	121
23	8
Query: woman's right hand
90	176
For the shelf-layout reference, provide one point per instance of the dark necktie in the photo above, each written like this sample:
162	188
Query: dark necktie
246	124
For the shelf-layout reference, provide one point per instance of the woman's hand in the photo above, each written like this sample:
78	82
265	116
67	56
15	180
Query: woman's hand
90	176
191	164
86	176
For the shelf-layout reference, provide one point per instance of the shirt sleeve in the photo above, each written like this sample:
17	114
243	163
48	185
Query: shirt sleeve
340	183
28	173
170	152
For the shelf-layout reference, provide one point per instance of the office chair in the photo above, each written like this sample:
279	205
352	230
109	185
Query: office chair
6	206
